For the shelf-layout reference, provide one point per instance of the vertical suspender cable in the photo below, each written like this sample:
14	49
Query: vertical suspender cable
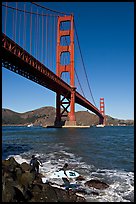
39	38
13	26
46	61
37	34
55	27
31	31
35	38
42	39
38	43
48	41
6	19
51	43
54	46
50	57
19	26
52	40
24	30
16	23
55	39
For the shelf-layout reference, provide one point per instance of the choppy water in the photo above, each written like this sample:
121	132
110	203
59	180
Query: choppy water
105	153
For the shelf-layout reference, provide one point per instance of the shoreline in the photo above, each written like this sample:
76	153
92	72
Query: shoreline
77	126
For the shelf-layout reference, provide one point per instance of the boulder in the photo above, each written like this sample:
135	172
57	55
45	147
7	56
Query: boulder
80	178
8	193
27	179
13	162
18	172
96	184
18	197
25	166
5	163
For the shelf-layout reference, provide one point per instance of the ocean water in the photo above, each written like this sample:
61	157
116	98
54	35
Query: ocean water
106	154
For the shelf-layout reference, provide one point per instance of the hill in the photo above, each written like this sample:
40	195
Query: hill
45	116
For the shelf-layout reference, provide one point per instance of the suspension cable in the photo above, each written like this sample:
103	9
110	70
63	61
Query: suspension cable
42	39
13	8
65	37
37	34
46	51
50	9
13	28
84	65
79	83
19	26
6	20
31	32
24	37
16	22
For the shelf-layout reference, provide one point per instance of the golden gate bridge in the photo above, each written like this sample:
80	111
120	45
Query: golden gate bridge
39	44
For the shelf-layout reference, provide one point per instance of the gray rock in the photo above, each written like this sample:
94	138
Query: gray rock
96	184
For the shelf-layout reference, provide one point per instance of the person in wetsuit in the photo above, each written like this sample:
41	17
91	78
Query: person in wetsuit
34	163
64	168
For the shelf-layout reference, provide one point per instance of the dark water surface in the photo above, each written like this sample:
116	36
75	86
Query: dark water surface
103	153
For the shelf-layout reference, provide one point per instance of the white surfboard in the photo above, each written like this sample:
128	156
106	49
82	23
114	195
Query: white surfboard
60	174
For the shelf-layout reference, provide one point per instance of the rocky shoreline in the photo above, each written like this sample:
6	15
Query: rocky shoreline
21	185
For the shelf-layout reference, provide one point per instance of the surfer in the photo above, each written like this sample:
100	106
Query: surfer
65	180
34	163
64	168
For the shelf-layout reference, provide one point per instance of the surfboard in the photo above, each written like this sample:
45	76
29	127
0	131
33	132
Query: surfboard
60	174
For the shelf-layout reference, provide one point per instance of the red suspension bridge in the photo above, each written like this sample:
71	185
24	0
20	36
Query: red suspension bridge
39	44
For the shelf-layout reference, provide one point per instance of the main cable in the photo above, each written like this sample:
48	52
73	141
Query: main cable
13	8
49	9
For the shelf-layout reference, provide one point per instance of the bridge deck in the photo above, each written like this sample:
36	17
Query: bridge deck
21	62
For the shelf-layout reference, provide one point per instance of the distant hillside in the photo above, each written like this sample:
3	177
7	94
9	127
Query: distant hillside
46	116
41	116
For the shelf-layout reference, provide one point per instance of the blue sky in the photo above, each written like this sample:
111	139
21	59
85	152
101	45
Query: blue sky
106	35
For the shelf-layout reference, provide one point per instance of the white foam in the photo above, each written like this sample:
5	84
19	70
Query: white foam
18	158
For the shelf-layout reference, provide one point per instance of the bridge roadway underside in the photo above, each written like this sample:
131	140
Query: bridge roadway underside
19	66
21	62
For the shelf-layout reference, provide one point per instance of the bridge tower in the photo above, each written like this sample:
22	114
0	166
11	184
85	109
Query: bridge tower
102	110
65	103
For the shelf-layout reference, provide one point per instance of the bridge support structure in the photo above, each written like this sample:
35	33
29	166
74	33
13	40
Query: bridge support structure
63	104
102	110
